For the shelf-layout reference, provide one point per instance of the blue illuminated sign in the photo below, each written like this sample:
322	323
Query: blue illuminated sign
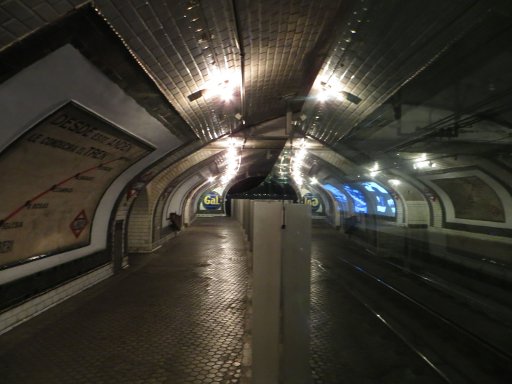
338	195
384	203
358	198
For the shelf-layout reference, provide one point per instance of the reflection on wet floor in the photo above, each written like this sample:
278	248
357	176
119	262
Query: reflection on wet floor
349	344
179	315
176	316
374	322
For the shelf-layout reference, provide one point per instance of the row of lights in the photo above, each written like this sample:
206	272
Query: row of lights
420	163
233	160
299	155
219	84
297	161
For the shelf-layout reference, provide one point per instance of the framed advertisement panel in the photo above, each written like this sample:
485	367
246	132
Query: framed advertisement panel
53	178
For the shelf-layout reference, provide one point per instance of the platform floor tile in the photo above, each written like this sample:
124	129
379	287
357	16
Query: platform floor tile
175	316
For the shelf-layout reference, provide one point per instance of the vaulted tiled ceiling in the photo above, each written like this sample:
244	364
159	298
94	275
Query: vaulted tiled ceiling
181	45
282	43
278	54
269	49
380	47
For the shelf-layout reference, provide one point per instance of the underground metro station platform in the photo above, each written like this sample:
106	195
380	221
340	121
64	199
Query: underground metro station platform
234	191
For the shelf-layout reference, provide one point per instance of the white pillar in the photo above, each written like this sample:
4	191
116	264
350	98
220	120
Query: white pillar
266	245
296	283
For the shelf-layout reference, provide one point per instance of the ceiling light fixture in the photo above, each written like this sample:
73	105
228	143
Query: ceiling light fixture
351	97
220	85
196	95
328	92
374	171
422	162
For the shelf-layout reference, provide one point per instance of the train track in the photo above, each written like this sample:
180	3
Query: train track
456	354
496	309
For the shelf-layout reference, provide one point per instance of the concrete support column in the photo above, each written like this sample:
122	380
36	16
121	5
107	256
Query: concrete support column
281	240
266	228
296	282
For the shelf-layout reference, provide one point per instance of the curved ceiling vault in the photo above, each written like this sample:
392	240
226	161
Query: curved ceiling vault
379	90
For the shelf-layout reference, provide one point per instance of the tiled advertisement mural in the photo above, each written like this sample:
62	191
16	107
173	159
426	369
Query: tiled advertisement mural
53	178
472	198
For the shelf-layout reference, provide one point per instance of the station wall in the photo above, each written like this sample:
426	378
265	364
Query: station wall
35	92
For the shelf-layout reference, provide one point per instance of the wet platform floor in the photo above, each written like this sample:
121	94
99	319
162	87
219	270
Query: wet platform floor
175	316
178	316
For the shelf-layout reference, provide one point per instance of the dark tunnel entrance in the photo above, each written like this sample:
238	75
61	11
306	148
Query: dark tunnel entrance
260	188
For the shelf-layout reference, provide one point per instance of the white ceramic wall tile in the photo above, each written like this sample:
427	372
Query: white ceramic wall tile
15	316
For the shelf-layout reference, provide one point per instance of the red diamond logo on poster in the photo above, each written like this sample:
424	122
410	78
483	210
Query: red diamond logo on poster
79	223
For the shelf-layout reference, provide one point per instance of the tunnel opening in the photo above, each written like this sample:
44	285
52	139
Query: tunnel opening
260	188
